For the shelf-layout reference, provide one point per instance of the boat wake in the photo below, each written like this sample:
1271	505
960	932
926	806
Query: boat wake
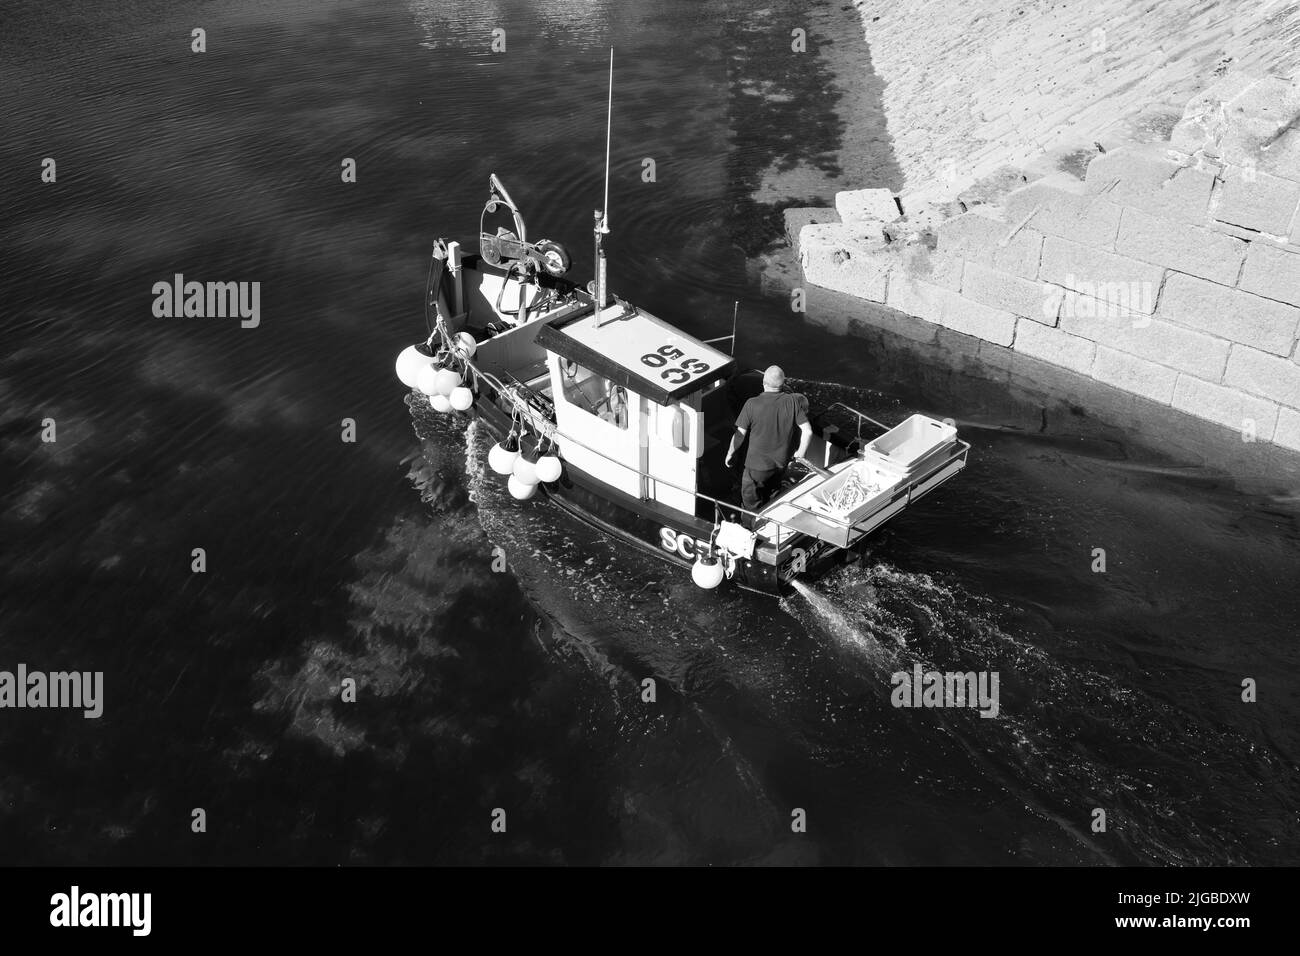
797	695
1068	739
835	624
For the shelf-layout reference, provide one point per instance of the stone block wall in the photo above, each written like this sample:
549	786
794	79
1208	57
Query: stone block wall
1170	270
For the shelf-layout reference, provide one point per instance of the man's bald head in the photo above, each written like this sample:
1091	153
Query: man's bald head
773	379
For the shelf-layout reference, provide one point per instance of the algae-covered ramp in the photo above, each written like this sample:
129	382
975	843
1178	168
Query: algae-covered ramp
1120	197
970	87
805	114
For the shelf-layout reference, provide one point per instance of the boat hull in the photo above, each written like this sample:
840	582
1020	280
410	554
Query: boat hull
650	527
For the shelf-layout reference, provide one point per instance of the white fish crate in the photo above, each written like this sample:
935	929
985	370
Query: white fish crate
910	447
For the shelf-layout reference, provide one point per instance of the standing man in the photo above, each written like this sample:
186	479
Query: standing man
771	421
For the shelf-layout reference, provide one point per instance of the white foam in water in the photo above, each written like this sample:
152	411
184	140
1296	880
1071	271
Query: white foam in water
473	467
839	627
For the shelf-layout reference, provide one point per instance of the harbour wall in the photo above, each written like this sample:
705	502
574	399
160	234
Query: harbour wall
1161	258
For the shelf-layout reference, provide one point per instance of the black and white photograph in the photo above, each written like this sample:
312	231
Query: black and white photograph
854	435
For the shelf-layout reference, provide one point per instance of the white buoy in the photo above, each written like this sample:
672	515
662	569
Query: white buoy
501	458
548	468
440	403
525	470
448	379
427	380
707	572
410	362
521	489
465	346
461	398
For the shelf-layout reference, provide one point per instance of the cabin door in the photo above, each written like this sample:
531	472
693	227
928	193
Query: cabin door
669	453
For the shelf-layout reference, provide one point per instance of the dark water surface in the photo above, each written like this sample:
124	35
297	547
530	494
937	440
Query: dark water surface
521	690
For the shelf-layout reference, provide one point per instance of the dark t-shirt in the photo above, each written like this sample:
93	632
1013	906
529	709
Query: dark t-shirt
771	422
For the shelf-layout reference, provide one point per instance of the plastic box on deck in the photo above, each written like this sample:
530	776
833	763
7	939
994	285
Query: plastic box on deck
906	462
910	447
869	473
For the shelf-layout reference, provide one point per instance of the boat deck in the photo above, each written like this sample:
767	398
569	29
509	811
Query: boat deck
784	520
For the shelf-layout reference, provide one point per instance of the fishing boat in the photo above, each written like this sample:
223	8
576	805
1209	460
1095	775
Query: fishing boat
623	420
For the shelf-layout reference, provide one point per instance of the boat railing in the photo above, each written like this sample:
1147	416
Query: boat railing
860	416
716	502
818	515
552	433
512	394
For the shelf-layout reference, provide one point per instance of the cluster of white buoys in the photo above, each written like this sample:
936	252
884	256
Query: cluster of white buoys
525	470
444	387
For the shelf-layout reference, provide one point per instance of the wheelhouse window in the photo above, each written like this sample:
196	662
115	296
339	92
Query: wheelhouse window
594	394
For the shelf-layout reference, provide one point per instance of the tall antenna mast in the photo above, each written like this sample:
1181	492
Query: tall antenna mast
609	129
600	226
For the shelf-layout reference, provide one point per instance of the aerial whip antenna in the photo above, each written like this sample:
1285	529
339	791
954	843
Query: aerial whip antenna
601	224
609	128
